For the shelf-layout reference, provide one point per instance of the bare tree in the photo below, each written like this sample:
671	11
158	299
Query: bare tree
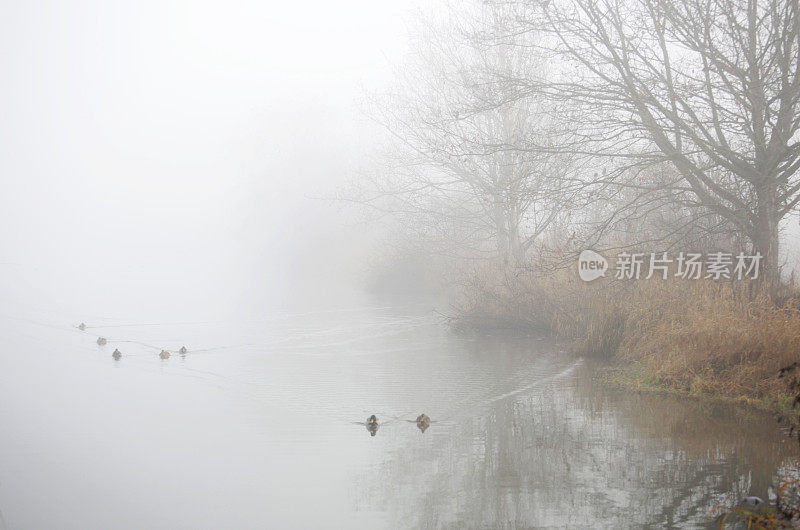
454	113
709	86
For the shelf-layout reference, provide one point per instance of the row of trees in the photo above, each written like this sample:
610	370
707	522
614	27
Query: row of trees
558	124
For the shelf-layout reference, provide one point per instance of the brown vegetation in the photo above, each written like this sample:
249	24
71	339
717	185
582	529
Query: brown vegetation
700	337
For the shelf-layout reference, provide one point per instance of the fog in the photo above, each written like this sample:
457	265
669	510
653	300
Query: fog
158	154
351	264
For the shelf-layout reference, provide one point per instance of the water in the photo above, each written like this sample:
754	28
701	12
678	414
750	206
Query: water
261	425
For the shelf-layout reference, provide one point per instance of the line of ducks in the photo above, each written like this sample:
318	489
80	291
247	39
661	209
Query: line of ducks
102	341
422	421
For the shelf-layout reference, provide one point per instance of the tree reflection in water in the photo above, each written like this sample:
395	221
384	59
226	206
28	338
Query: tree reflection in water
571	453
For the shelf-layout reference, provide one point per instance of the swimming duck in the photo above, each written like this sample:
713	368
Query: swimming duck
183	349
81	326
423	422
117	354
164	354
753	503
372	425
101	341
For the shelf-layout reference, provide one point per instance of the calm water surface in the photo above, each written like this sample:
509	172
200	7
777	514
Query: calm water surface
260	425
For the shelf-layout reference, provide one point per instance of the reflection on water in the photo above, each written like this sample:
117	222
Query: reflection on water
573	455
261	424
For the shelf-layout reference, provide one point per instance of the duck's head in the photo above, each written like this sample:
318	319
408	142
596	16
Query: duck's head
183	349
372	420
423	418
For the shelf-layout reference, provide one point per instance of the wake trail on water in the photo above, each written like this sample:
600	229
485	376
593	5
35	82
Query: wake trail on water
293	344
470	411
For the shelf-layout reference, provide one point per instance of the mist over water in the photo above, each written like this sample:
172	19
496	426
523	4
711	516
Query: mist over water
168	171
263	419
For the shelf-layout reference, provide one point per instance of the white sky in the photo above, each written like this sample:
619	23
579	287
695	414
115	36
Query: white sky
135	136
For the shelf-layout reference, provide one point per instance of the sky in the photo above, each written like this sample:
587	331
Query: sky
180	150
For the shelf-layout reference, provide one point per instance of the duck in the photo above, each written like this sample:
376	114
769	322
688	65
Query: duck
423	422
101	341
183	349
372	425
82	326
117	354
164	354
753	502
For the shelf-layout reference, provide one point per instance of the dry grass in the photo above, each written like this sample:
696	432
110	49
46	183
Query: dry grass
588	314
783	515
711	338
700	337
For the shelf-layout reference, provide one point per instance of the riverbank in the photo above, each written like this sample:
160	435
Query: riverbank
635	378
696	338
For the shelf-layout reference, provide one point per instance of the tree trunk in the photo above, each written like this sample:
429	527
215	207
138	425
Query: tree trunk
765	233
501	232
515	243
